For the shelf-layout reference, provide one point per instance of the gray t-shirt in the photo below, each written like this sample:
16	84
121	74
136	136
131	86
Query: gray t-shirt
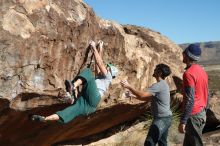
160	105
103	82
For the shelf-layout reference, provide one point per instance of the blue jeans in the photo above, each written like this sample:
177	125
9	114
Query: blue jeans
158	132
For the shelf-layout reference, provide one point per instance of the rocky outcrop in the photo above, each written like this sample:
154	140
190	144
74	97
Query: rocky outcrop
42	43
213	113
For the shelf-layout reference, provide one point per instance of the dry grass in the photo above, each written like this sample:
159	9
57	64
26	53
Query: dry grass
214	80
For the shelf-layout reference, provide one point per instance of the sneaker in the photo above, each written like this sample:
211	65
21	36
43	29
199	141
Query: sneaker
38	118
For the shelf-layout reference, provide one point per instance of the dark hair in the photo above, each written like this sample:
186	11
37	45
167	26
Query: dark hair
165	70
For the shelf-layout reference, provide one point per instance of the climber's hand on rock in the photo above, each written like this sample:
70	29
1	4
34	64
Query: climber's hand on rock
92	45
100	44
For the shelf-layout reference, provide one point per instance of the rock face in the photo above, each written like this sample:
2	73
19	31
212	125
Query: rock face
42	43
213	113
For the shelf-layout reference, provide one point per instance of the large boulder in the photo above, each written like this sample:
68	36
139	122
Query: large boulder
213	113
44	42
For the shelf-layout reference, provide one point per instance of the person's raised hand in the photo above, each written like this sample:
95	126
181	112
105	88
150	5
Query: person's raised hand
100	43
92	44
125	84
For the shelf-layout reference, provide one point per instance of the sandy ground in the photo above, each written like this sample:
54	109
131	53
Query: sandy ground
135	136
212	138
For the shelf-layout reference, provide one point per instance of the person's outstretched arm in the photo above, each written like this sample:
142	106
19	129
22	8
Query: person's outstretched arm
100	50
98	58
140	95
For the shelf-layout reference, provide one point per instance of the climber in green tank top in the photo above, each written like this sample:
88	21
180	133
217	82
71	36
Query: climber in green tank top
92	89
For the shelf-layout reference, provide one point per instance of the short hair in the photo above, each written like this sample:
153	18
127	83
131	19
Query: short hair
165	70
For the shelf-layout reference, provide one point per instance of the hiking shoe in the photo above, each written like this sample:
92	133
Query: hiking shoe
38	118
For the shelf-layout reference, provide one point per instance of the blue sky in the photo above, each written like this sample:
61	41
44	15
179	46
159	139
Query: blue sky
183	21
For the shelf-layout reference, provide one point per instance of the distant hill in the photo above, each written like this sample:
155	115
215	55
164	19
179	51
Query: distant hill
210	52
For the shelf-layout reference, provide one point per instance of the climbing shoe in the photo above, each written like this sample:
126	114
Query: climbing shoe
67	98
69	86
37	118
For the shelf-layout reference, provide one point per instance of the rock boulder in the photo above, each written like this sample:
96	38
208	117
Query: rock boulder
44	42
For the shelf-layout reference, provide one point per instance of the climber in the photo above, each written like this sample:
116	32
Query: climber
92	89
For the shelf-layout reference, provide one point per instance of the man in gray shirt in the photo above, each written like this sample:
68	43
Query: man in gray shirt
159	95
160	105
